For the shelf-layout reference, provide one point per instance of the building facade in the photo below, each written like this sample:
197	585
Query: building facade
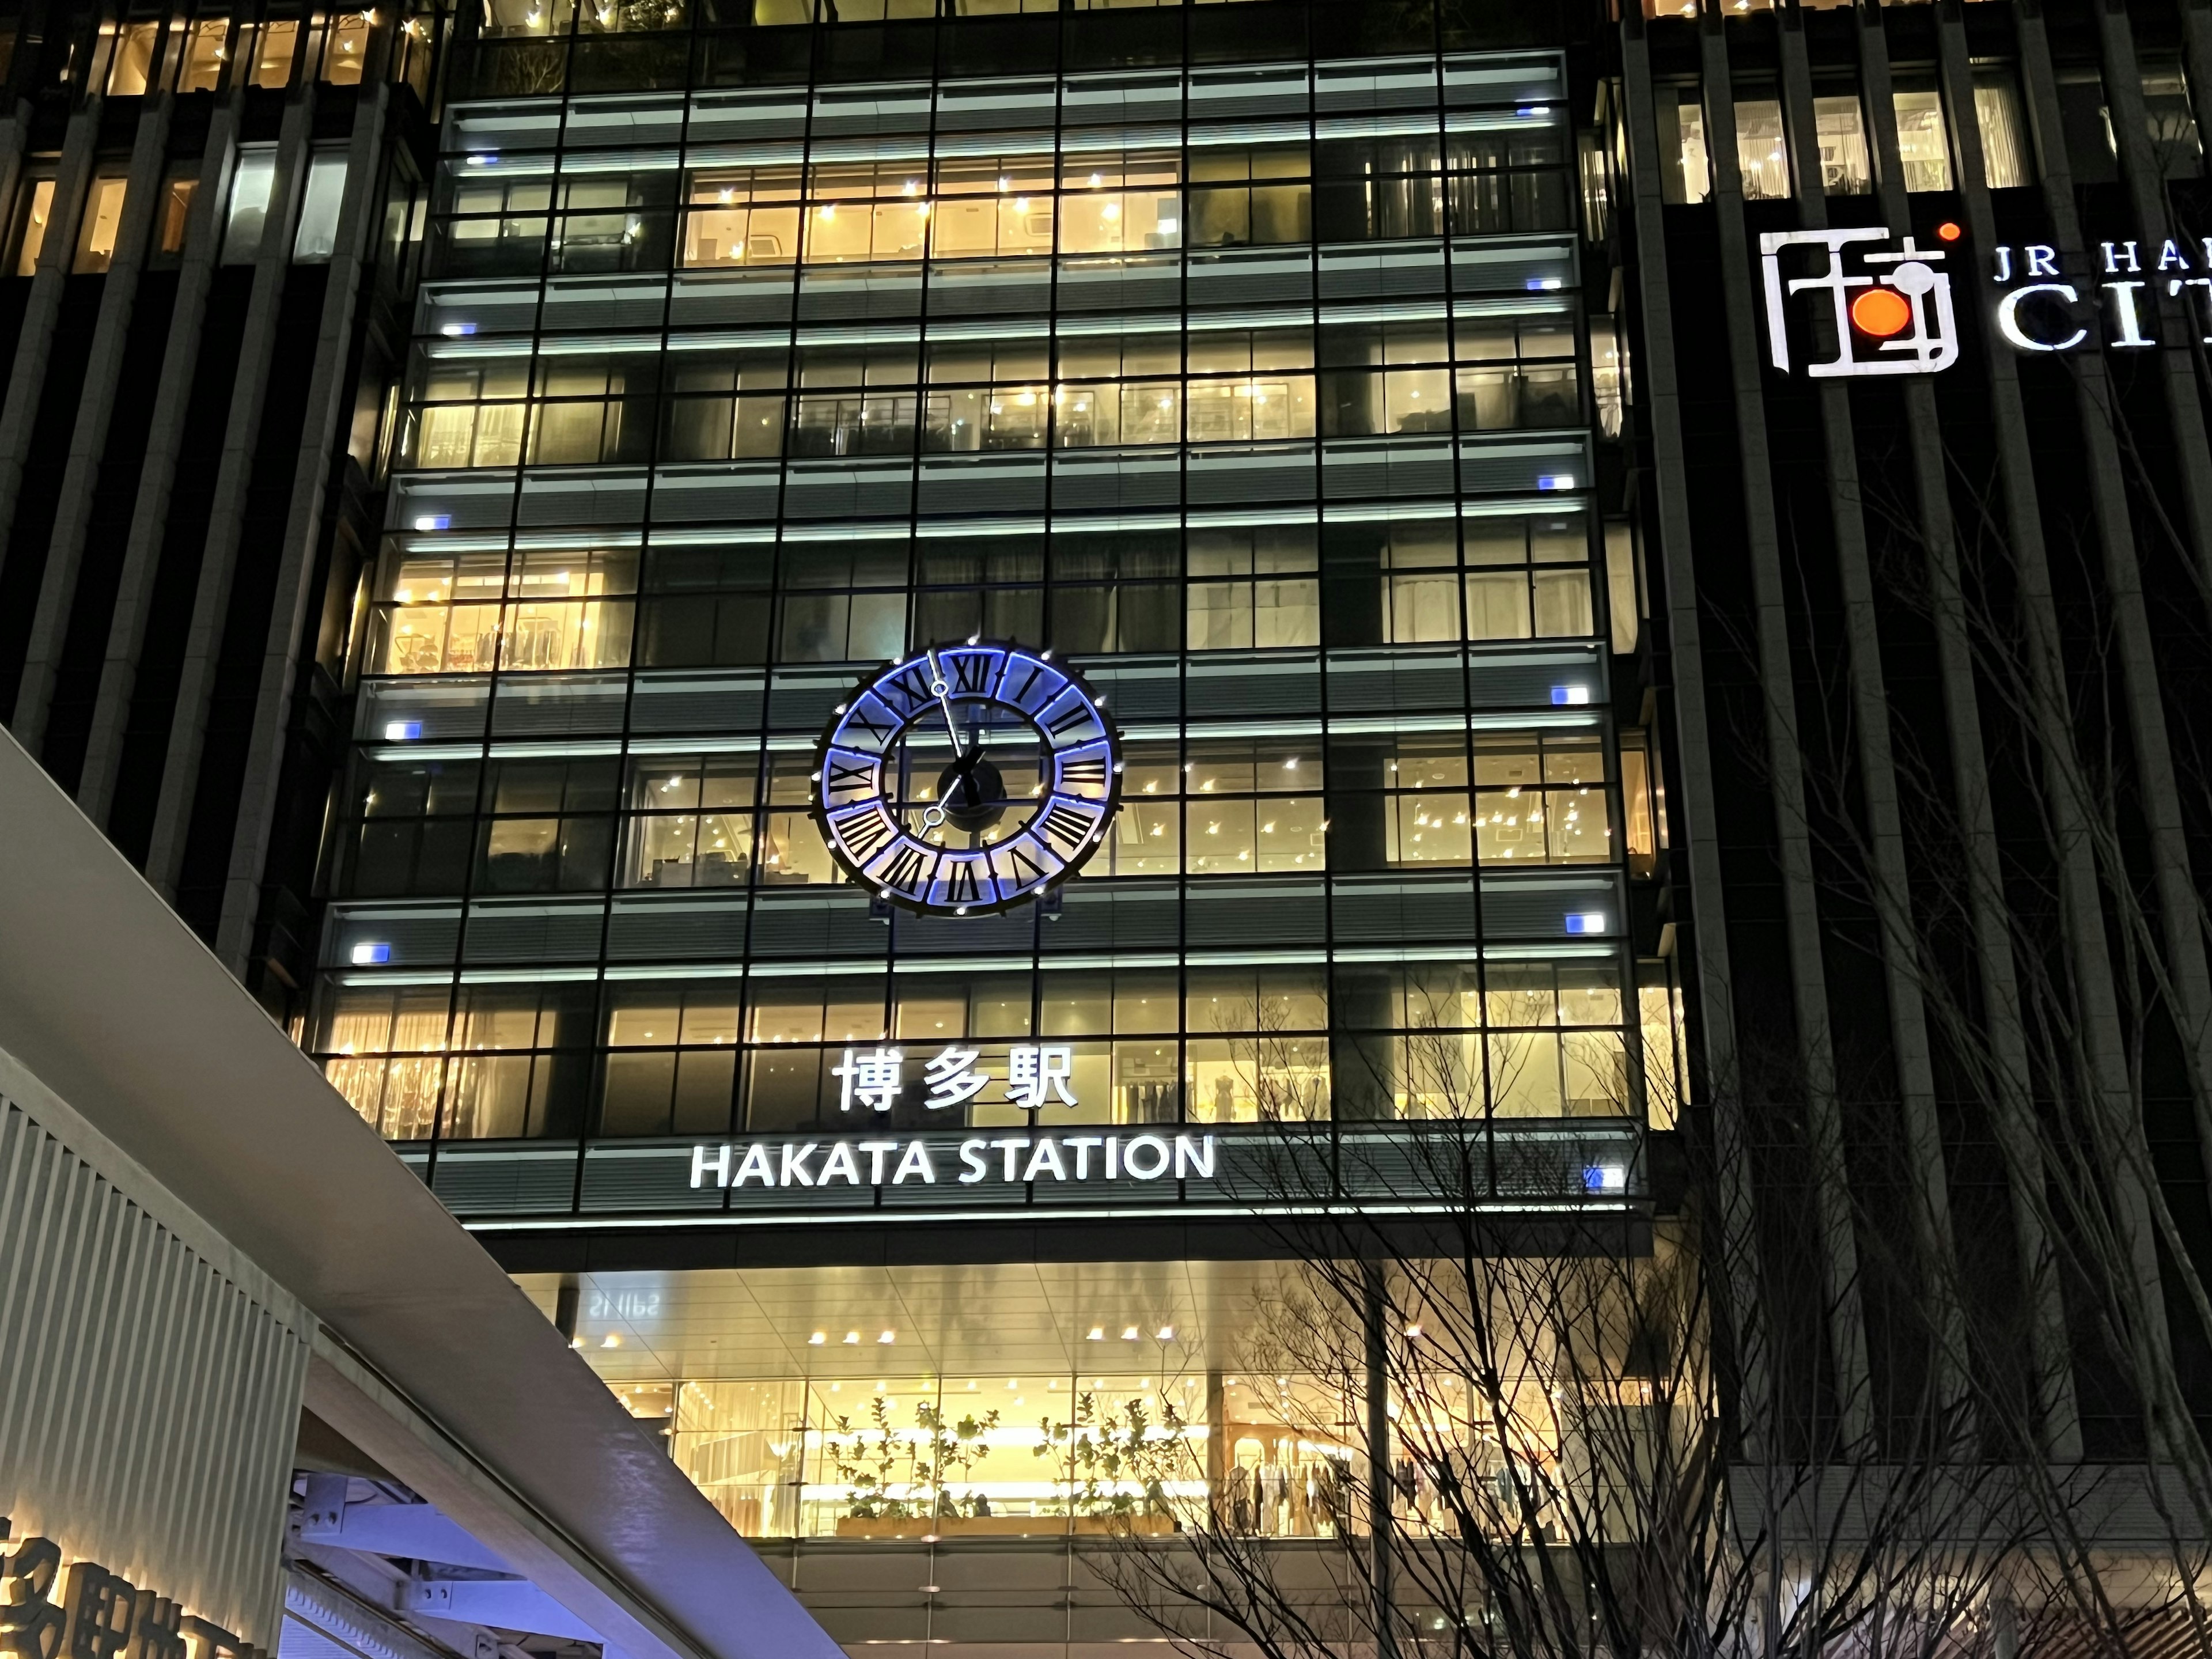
1771	766
1933	547
1258	364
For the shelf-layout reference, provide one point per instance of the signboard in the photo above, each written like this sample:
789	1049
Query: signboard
1872	304
1886	308
1015	1160
2041	309
80	1610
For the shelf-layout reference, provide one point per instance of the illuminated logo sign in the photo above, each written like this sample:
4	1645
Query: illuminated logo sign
82	1610
1888	308
1037	1072
1003	1160
2043	309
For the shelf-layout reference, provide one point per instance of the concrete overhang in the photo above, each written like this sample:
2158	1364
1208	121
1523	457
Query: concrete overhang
430	1359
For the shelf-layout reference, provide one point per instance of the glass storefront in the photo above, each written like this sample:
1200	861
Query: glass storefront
1131	1399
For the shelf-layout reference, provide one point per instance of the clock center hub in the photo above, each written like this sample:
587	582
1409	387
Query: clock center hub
973	794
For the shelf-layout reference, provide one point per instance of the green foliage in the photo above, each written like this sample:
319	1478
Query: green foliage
1100	1456
895	1476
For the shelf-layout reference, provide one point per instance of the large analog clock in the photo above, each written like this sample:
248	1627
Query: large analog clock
969	779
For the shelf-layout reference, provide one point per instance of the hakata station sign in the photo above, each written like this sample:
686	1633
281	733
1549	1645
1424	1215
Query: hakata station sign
1003	1160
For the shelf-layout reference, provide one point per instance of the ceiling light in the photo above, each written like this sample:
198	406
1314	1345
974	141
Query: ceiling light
1129	1335
1167	1333
887	1336
818	1339
613	1340
851	1337
1097	1334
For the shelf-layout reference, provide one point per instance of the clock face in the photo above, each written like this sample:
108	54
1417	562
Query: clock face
969	779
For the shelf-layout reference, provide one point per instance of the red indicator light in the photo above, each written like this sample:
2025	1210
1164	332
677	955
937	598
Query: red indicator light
1882	312
1949	231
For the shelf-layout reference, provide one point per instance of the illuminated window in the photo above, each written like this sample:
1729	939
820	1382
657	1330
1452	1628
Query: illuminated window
31	230
103	220
1922	143
1841	129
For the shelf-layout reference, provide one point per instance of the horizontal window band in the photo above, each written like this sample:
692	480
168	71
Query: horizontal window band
1046	963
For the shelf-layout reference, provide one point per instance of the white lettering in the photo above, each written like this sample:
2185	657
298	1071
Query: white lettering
971	1154
1083	1144
1012	1143
2127	251
795	1172
719	1164
951	1077
1196	1160
2008	323
875	1150
915	1162
1113	1157
1045	1156
871	1076
2174	285
2004	265
2170	258
2124	313
1034	1073
2042	259
756	1164
1155	1154
840	1162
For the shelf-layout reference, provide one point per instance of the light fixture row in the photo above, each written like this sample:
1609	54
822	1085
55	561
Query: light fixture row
852	1338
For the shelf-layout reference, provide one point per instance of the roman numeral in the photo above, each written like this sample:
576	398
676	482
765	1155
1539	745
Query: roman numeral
858	720
1079	712
863	834
907	870
912	684
1026	872
1077	775
971	670
843	776
1065	826
960	884
1031	673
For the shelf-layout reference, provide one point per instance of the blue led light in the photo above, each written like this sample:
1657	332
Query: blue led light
371	956
1586	922
402	731
435	521
1569	696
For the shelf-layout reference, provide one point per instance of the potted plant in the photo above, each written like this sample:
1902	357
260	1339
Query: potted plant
1116	1465
901	1483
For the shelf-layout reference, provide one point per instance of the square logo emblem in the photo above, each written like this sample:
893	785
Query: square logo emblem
1888	309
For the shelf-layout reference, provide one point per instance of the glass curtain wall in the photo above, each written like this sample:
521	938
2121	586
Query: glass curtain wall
1108	1398
1264	396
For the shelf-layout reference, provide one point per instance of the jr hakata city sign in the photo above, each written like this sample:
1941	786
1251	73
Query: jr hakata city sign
1874	306
2041	310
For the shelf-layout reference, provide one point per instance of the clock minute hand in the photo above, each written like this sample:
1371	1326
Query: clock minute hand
939	683
964	755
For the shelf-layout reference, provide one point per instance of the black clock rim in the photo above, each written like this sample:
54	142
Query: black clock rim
995	907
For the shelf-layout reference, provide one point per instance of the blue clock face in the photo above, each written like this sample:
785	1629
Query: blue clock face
969	779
